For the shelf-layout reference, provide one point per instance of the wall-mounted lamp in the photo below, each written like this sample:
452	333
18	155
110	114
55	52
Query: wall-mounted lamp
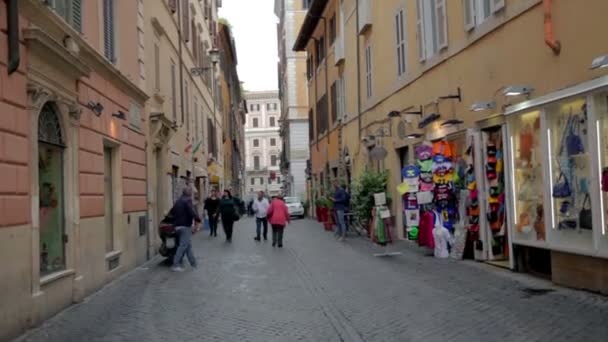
451	122
394	113
457	96
600	62
120	115
517	90
95	107
428	120
214	54
481	106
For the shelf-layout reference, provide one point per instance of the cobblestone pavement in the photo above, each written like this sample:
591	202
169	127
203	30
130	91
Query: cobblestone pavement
319	289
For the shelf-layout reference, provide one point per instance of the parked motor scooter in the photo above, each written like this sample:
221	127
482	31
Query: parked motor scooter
169	238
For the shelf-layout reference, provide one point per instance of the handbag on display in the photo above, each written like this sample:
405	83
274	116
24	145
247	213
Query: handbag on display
605	179
574	143
567	224
561	189
585	218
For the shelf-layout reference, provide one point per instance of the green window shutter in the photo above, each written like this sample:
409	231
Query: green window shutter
76	13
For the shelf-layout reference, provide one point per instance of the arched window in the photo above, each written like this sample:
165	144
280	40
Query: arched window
50	180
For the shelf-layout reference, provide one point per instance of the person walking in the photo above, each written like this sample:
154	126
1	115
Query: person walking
183	214
260	208
228	213
212	204
278	215
340	200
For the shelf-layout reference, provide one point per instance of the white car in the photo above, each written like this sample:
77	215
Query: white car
295	207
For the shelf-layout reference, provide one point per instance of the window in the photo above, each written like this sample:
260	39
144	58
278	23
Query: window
400	36
432	31
185	9
273	142
477	11
70	11
368	71
256	143
156	67
306	4
273	160
173	92
262	180
255	122
272	121
309	68
320	50
334	102
332	29
322	115
108	178
50	178
196	126
251	107
135	115
268	106
341	97
252	181
311	126
279	180
108	30
275	106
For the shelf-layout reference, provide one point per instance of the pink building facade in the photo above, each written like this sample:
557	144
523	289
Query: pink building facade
73	203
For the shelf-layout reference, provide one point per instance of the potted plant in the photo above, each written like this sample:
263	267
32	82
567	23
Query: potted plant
369	183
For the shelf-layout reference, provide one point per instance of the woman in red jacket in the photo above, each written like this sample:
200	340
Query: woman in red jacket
278	215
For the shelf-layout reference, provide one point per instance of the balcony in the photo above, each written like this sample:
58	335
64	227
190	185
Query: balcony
365	15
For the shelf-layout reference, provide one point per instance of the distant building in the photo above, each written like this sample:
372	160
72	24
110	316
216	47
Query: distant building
294	97
263	143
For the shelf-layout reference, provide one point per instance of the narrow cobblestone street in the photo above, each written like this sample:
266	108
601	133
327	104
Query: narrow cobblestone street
319	289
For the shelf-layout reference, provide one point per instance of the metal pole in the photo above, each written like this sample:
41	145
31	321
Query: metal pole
181	62
358	69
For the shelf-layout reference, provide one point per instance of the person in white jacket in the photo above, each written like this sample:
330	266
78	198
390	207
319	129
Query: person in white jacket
260	208
442	237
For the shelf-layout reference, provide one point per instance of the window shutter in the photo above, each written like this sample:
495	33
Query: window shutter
186	20
469	14
173	5
420	30
76	19
497	5
206	9
442	26
194	40
108	25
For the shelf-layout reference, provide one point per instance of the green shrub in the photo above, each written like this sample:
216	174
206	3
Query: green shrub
369	183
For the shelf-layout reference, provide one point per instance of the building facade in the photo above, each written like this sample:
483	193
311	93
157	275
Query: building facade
73	161
233	111
481	76
263	143
293	93
185	115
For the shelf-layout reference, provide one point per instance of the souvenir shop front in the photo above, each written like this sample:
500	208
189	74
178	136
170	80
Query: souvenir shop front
558	175
457	182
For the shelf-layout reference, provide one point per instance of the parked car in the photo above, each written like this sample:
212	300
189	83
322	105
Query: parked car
295	207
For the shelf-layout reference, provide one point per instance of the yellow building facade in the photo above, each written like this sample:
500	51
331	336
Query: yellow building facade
413	58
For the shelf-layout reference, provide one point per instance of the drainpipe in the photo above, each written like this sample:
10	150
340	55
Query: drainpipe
315	105
550	40
358	71
181	62
12	18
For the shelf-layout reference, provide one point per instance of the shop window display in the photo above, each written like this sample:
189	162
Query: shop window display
570	171
528	185
601	106
50	175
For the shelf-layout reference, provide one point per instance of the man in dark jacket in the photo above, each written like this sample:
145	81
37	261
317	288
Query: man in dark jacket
183	214
340	199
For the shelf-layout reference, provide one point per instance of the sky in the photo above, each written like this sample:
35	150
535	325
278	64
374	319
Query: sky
254	28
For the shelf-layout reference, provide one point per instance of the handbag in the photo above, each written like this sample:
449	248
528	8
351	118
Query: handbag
585	219
574	143
561	189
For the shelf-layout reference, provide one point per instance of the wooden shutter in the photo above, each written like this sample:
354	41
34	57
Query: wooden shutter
173	5
186	20
497	5
206	9
194	40
420	34
157	67
108	29
442	24
76	15
469	14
